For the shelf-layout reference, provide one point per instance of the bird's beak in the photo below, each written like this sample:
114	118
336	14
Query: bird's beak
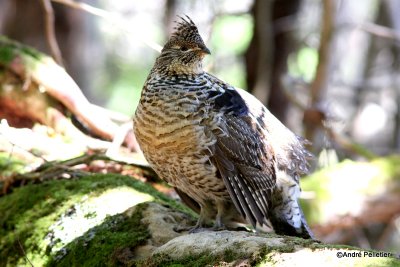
205	50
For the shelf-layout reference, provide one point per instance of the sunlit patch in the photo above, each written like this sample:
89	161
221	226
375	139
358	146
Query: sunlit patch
370	115
92	211
351	183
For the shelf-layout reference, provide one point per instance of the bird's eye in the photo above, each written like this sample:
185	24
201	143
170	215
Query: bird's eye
184	48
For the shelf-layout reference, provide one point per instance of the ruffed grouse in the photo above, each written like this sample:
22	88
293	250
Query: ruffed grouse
223	151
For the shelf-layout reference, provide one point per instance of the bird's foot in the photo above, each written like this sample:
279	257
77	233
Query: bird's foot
219	227
181	228
195	230
192	229
199	229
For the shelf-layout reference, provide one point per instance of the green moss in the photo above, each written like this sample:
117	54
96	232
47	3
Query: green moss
30	211
10	165
204	259
292	244
6	50
273	256
6	55
105	243
289	245
9	49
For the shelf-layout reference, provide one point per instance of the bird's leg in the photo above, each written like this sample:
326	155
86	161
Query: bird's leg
201	224
198	227
204	217
219	224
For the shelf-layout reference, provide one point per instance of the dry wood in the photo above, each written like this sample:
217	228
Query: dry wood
33	67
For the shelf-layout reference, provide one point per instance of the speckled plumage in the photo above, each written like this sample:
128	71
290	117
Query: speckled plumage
226	154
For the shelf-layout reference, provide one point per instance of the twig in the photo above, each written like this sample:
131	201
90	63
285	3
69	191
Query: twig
23	252
109	16
50	32
56	169
3	131
346	144
321	74
88	8
379	30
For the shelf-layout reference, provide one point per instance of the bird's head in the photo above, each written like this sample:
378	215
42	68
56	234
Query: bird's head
184	51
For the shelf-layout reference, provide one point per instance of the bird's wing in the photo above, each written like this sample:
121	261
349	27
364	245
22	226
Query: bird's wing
243	156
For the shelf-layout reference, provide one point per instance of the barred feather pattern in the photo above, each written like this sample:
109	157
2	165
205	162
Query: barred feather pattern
218	145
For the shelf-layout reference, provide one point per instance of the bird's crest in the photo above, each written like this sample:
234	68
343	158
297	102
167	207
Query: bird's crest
184	51
186	30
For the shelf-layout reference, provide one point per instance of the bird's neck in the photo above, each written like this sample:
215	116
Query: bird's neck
167	67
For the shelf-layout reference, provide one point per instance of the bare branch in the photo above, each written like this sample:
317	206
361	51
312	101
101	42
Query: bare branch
87	8
6	133
323	51
50	32
59	85
379	30
349	145
319	83
113	18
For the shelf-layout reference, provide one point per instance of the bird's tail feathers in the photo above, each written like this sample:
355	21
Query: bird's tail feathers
284	225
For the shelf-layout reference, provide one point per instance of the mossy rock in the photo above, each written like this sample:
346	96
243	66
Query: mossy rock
74	222
114	220
229	248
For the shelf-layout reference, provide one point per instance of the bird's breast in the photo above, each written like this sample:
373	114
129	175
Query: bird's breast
171	122
173	131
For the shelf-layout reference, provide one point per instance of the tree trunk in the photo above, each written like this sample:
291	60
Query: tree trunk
266	60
